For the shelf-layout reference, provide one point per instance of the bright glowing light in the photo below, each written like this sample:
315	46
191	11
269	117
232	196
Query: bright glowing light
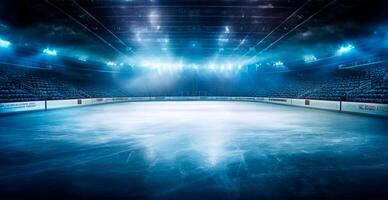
243	41
309	58
223	39
50	52
154	18
83	58
162	65
212	66
4	43
224	66
278	64
169	64
111	64
227	30
194	66
344	49
229	66
138	38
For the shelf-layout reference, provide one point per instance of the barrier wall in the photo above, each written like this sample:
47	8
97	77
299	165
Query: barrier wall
279	101
250	99
365	108
218	98
54	104
22	106
117	99
262	99
97	101
326	105
142	98
352	107
180	98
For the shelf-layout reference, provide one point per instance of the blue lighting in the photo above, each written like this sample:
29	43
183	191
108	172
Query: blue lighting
83	58
344	49
50	52
223	39
111	64
309	58
4	43
278	64
227	30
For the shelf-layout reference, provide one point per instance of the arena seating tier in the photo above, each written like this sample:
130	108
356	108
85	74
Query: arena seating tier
363	84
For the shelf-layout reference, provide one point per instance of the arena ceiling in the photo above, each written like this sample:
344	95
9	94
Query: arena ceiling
191	29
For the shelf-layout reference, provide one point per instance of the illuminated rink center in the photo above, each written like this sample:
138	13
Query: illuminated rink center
206	149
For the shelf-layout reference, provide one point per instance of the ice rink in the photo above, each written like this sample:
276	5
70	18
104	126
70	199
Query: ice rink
192	150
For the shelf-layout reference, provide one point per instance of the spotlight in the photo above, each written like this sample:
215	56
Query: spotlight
83	58
229	66
4	43
227	30
111	64
278	64
242	41
50	52
309	58
344	49
224	40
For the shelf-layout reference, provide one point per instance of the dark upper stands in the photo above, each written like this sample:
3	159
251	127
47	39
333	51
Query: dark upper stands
365	84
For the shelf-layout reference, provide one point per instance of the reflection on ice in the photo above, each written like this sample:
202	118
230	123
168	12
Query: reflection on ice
211	132
174	150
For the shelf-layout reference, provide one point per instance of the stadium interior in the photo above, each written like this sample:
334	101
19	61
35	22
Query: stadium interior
286	50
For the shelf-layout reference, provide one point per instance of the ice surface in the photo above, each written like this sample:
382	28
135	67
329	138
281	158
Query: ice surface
192	150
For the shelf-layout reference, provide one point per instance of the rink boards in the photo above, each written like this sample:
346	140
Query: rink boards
340	106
